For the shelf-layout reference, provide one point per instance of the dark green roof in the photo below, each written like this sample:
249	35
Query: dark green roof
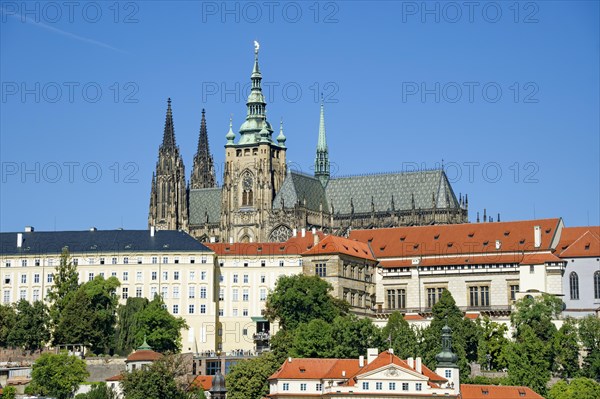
99	241
299	187
205	202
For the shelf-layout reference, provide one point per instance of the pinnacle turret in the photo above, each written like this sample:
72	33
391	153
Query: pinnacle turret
203	173
322	156
169	133
281	138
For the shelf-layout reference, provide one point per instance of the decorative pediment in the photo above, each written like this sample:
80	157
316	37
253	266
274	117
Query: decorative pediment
392	372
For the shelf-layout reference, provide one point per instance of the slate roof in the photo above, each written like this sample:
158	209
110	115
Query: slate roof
380	188
298	187
98	241
205	202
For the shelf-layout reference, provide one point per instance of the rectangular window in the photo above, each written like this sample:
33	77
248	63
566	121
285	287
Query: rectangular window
391	298
101	274
165	260
245	312
176	276
263	294
138	276
23	279
485	295
191	309
125	276
263	279
23	294
280	263
531	269
37	262
203	259
154	276
192	274
221	294
6	298
234	295
36	295
245	295
176	292
321	269
473	296
221	312
176	260
202	292
379	386
405	386
202	276
154	259
7	263
153	292
434	295
365	386
126	260
263	263
235	278
102	261
514	289
192	259
191	292
114	261
139	260
286	386
165	276
203	309
50	277
319	387
175	309
419	386
448	373
245	279
234	312
90	276
138	292
125	293
165	292
392	386
303	387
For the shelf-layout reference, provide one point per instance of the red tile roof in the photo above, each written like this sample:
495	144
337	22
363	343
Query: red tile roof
204	381
117	377
294	246
587	245
497	392
569	235
340	245
144	355
539	258
467	238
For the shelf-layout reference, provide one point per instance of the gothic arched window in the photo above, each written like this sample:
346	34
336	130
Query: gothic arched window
280	234
574	285
597	285
247	192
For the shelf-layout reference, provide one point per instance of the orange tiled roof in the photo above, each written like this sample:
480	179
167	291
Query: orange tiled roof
340	245
469	391
144	355
587	245
294	246
569	235
117	377
204	381
466	238
539	258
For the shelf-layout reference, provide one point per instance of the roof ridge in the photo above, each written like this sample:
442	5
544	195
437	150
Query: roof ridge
397	172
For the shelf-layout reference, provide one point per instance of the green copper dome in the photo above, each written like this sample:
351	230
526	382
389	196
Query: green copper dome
446	358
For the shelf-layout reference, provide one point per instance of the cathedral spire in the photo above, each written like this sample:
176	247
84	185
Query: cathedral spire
322	157
203	174
169	133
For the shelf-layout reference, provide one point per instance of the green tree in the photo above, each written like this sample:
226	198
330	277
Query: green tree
103	307
248	378
9	393
128	324
589	335
352	336
537	313
313	339
528	361
299	299
401	335
578	388
99	391
57	375
161	329
31	328
161	380
75	325
282	344
491	342
566	350
465	334
8	318
66	282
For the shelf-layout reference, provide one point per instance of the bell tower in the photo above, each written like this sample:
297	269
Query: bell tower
254	169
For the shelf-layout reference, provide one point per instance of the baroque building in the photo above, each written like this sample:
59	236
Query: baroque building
262	200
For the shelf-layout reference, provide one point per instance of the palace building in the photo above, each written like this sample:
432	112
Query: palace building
261	199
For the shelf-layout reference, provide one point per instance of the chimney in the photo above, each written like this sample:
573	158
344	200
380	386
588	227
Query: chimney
152	231
411	362
361	361
391	351
213	240
19	240
498	218
418	365
498	244
314	230
343	373
289	359
371	354
29	229
303	232
537	236
315	238
294	232
231	240
484	215
93	228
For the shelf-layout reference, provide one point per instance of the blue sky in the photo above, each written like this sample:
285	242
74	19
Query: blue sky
507	94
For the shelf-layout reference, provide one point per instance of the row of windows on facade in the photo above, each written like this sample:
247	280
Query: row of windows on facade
574	285
391	386
364	299
124	276
479	296
455	267
263	263
101	261
349	271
